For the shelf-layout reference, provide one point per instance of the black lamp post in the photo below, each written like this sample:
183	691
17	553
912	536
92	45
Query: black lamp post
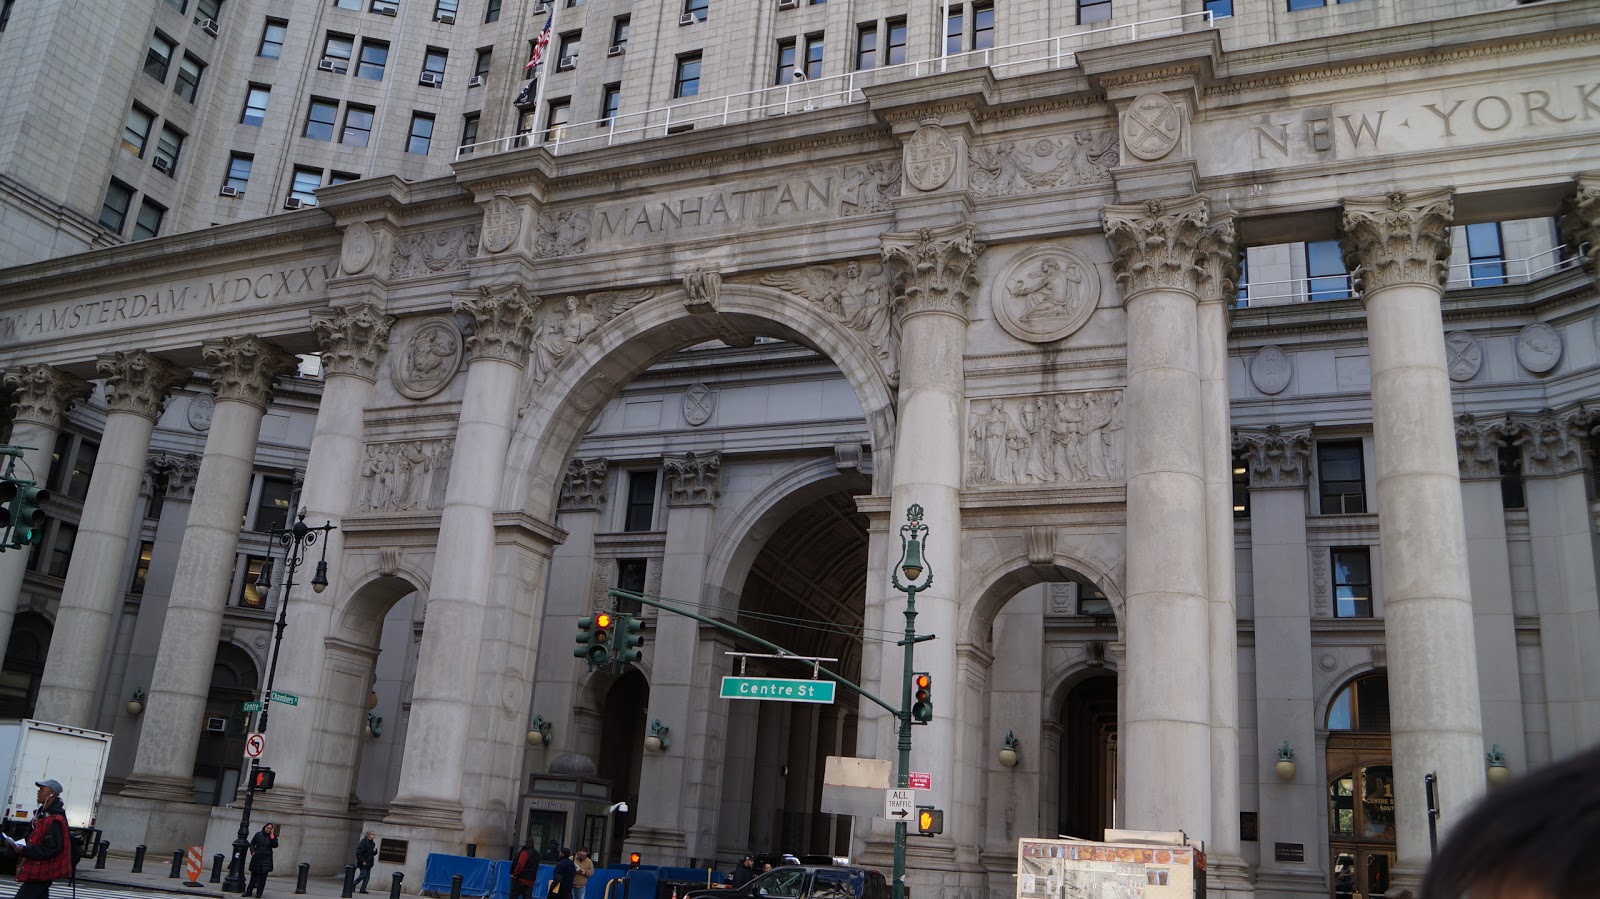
296	539
919	577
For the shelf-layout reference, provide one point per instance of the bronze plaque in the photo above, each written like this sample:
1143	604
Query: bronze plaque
392	851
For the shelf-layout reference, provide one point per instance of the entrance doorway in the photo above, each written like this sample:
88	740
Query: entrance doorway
1089	758
1361	812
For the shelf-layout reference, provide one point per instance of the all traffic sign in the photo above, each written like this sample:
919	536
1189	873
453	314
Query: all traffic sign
900	805
254	745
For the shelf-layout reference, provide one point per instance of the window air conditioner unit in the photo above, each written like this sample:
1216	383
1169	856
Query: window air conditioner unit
389	11
541	7
687	18
209	26
216	725
788	4
445	18
431	79
475	81
293	203
228	190
162	165
566	62
327	65
616	50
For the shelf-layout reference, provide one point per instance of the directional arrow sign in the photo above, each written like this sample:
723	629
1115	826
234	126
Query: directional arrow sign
285	698
900	805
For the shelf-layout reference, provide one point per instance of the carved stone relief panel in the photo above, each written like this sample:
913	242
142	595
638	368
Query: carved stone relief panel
1463	355
1321	594
584	486
428	358
358	248
431	252
559	326
1151	126
930	158
857	295
502	224
564	233
698	403
1055	439
405	475
1046	294
1009	168
870	187
1539	348
1271	369
1061	598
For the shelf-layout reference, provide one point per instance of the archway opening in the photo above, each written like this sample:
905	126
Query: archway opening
622	734
217	760
24	665
1089	757
1361	812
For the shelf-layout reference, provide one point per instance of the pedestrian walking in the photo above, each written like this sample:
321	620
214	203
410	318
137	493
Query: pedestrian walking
261	846
366	854
585	870
46	852
525	872
561	879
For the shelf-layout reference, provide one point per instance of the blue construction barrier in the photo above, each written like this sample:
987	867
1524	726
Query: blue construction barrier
481	878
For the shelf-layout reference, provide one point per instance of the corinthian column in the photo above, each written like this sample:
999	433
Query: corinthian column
433	767
1165	734
137	385
245	369
1397	247
40	398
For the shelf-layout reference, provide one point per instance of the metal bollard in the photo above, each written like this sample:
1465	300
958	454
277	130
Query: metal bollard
138	859
349	882
177	864
300	880
100	859
216	868
455	886
394	887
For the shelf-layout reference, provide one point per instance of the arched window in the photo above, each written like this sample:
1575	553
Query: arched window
1361	794
1362	706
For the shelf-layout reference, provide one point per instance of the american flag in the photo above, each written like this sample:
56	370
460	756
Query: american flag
539	43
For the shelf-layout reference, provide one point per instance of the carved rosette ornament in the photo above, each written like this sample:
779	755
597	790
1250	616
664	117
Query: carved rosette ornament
174	475
1478	446
1550	442
1397	239
503	319
583	487
1580	221
42	393
935	269
245	368
1155	245
692	478
138	382
1219	260
1274	456
353	339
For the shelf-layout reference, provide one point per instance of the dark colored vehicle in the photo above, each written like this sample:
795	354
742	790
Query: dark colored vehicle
806	882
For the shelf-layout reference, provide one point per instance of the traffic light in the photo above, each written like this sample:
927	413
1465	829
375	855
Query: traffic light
633	860
26	518
921	697
930	820
585	638
600	639
8	496
263	780
631	632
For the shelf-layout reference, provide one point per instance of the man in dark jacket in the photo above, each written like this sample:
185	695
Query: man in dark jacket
366	854
525	872
261	846
745	872
566	869
46	852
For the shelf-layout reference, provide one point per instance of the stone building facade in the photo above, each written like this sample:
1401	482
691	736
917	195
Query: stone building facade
1244	369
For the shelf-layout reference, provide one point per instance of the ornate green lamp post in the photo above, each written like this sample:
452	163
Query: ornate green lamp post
918	577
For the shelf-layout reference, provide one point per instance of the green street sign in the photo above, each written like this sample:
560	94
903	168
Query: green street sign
254	706
778	689
285	698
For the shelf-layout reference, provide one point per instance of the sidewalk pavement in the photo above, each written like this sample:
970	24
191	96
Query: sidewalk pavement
281	884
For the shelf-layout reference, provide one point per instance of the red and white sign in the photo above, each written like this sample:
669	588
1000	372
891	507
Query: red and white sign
254	745
919	780
194	863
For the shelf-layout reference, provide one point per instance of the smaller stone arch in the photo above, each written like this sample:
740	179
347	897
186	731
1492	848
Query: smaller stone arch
359	619
1008	574
1061	680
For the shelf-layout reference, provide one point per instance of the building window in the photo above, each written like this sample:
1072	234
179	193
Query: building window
1241	291
610	102
347	4
687	81
866	46
114	209
1219	9
141	568
207	10
955	28
188	82
433	63
181	6
250	595
320	118
272	38
785	73
1326	278
72	464
631	576
272	505
481	63
1352	583
573	3
982	26
619	31
557	114
1092	11
1340	479
336	53
255	104
813	61
148	223
444	8
304	187
420	137
239	171
1363	706
374	56
1092	601
357	130
136	131
1512	494
1241	489
895	45
1486	254
571	43
491	12
469	129
61	549
697	8
338	177
1297	5
639	513
159	57
168	147
386	7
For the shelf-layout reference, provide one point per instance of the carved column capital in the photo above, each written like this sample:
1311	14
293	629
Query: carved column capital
1219	260
692	478
1155	245
583	487
1550	441
1275	456
173	474
934	269
1478	445
246	368
1580	220
503	318
1400	238
354	339
138	382
43	393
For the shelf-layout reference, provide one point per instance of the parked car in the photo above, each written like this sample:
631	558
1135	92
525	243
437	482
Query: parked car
806	882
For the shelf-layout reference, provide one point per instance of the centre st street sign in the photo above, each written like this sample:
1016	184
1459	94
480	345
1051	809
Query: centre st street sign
254	706
777	688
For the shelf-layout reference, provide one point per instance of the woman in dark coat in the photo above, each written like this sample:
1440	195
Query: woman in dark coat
261	846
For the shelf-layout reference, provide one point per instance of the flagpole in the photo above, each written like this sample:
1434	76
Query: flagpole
543	66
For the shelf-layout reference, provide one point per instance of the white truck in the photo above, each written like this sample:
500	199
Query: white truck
32	751
1130	863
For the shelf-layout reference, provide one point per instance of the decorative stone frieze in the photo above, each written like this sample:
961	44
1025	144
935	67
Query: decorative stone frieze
503	320
43	393
1219	260
405	475
1155	245
1397	239
1580	220
173	474
870	187
1057	440
1046	294
353	339
564	233
934	269
583	487
246	367
1478	446
431	357
434	252
1274	456
1009	168
702	288
856	295
1550	441
692	478
138	382
558	327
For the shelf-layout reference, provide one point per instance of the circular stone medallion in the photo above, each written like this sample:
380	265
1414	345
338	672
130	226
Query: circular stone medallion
698	403
201	408
1151	126
358	248
930	158
1463	355
1270	370
1046	294
430	359
501	224
1539	348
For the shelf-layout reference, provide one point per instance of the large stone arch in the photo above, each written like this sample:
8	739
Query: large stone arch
1006	574
624	347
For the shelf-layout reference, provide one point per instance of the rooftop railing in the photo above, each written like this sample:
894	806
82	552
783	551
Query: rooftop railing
1463	275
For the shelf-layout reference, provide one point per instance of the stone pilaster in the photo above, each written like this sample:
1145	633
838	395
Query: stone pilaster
1580	221
1397	248
244	368
353	338
583	487
137	386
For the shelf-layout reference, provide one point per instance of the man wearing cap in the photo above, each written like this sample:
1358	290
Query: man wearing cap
46	853
745	873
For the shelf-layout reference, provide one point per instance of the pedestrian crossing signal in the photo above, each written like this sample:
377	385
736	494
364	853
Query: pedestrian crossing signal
930	820
633	859
264	778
